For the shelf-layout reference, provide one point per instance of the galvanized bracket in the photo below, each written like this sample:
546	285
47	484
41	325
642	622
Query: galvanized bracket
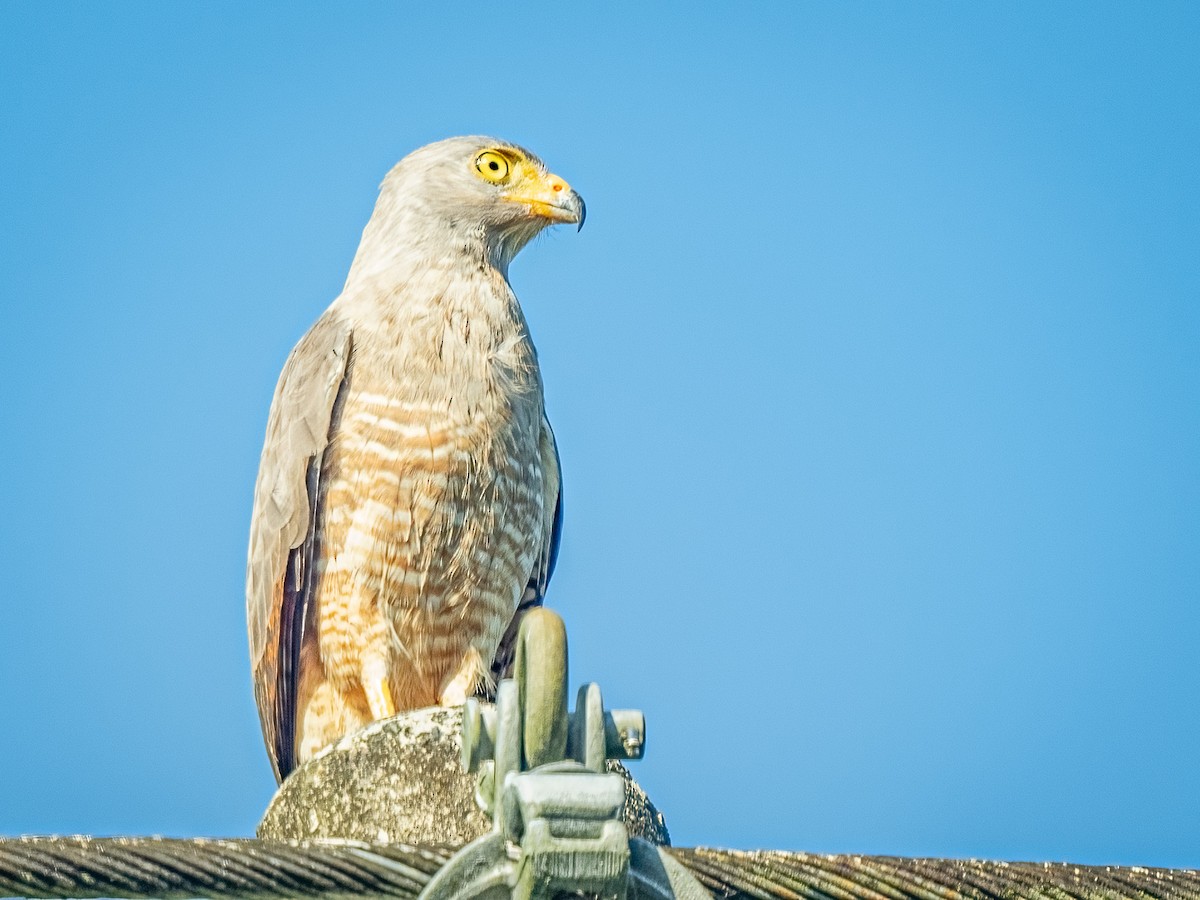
557	813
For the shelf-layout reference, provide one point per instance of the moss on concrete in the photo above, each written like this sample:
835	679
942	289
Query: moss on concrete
399	781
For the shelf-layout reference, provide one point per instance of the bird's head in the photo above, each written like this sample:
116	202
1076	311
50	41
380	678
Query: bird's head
468	190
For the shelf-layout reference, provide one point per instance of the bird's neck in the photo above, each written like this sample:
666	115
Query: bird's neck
441	306
402	240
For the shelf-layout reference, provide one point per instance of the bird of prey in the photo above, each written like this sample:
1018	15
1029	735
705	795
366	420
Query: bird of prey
407	508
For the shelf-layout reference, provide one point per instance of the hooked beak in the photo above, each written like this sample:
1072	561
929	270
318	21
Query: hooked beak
578	209
552	198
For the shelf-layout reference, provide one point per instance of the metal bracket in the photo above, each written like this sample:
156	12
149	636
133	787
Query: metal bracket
557	813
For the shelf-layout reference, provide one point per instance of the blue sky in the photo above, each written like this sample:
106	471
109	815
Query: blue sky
874	372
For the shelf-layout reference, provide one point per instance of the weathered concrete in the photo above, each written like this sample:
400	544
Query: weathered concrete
400	781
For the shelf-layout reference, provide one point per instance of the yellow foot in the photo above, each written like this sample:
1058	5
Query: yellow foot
379	698
470	675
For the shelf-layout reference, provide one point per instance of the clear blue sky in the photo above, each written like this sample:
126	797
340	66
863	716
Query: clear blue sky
876	375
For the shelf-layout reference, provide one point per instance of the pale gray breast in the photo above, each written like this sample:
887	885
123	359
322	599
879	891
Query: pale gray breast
435	479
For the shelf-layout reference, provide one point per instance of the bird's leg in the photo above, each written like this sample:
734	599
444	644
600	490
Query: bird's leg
463	683
379	692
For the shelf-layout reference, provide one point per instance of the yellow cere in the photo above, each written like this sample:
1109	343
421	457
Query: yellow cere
525	182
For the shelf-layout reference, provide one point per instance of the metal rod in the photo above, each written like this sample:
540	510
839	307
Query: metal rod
54	867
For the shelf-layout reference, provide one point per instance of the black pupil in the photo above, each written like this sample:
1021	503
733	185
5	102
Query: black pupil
494	166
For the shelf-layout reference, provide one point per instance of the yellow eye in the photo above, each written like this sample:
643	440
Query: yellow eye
492	166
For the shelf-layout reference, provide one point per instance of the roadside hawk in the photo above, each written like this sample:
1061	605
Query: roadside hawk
408	507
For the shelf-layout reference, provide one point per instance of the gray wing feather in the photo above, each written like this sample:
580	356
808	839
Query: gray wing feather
282	527
543	567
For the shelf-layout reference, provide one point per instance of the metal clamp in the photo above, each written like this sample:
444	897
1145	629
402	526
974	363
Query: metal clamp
557	814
